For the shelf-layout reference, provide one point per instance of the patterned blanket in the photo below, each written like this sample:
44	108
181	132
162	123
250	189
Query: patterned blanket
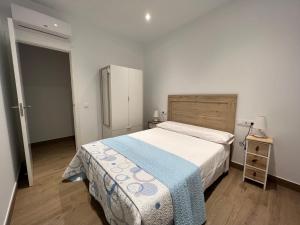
127	193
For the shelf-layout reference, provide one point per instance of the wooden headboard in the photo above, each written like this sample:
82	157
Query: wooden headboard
211	111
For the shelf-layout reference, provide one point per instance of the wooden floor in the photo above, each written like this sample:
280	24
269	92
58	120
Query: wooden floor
51	202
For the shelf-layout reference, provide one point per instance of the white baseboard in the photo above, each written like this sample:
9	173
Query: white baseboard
10	204
237	163
9	208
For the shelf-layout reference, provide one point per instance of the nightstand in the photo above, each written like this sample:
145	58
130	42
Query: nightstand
257	159
152	124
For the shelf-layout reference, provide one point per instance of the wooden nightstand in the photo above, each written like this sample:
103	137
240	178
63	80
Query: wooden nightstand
152	124
257	158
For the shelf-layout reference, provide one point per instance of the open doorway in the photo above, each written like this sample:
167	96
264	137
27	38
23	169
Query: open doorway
46	79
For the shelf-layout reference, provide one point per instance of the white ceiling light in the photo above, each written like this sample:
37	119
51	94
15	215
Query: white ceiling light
56	25
148	17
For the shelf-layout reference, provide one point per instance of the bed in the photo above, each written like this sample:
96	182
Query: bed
129	193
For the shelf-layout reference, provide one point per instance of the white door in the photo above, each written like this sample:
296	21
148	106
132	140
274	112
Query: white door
21	100
119	97
135	97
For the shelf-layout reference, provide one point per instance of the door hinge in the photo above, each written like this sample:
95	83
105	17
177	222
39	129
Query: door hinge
21	109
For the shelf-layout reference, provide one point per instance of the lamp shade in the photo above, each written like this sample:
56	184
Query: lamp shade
155	114
260	123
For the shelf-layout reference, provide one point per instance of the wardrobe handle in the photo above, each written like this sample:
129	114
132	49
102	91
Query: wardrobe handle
254	160
257	148
254	174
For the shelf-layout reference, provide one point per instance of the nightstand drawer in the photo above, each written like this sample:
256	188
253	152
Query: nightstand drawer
257	161
258	148
255	174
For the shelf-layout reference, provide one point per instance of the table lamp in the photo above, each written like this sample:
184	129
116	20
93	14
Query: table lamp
156	116
260	127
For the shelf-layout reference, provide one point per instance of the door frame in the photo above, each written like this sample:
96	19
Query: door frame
40	39
72	85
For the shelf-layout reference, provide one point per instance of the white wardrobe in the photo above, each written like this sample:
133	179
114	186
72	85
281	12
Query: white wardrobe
122	100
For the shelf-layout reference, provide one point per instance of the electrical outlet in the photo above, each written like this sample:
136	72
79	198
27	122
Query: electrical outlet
163	115
244	123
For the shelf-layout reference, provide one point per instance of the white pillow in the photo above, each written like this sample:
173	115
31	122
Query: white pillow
207	134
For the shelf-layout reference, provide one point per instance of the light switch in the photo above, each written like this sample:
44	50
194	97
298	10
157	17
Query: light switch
86	105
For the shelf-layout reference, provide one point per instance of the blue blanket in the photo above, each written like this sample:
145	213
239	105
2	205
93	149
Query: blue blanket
180	176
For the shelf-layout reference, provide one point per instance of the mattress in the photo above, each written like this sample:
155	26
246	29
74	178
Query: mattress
130	195
209	156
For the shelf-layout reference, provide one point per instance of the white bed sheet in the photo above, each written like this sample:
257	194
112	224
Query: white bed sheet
209	156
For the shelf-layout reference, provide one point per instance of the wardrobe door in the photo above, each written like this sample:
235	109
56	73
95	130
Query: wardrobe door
119	97
135	98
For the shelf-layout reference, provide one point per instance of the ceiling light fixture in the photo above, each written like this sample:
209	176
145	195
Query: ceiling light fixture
56	25
148	17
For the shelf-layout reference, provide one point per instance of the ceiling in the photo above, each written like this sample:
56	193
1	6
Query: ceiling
127	17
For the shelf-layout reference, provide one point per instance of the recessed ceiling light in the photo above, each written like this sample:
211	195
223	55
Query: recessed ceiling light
56	25
148	17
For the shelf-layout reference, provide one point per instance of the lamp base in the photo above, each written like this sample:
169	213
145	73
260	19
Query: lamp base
259	134
155	119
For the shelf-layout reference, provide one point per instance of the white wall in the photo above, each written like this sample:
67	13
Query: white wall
91	49
47	87
8	137
246	47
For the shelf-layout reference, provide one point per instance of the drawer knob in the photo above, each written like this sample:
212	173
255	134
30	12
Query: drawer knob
254	174
254	160
257	148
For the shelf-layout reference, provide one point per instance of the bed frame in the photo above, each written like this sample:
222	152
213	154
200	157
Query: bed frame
211	111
